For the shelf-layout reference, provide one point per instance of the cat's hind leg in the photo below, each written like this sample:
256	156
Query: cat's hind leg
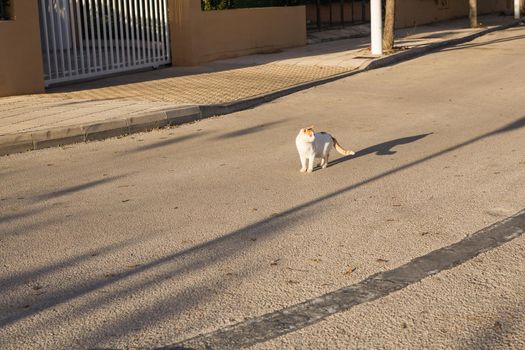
324	160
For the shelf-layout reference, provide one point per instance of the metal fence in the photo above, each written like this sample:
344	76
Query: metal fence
338	13
89	38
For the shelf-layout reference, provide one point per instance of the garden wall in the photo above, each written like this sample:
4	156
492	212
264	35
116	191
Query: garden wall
201	36
411	13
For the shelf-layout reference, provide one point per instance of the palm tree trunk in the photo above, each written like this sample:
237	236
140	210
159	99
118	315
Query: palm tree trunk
388	32
473	13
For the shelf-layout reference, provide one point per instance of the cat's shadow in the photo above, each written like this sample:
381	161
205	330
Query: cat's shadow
381	149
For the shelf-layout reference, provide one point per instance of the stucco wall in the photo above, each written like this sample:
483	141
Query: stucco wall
416	12
202	36
21	70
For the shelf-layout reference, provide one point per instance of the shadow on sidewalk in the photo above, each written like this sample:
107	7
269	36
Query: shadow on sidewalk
224	65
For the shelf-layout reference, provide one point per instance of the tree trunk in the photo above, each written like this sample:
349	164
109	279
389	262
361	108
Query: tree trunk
388	31
473	13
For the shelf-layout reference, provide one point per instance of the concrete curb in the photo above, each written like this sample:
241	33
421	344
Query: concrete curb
27	141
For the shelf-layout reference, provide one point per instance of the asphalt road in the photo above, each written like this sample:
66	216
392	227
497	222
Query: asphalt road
151	239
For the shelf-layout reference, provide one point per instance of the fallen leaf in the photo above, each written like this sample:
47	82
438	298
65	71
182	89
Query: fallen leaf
292	282
350	270
126	200
274	262
36	287
425	233
381	260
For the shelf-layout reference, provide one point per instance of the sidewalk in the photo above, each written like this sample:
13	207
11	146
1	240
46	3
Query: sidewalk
141	101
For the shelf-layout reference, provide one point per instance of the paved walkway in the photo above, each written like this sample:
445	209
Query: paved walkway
223	81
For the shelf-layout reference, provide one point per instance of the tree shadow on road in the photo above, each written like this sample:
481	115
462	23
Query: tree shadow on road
486	43
77	188
249	131
167	142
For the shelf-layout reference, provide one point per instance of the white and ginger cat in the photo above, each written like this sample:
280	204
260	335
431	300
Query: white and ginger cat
312	145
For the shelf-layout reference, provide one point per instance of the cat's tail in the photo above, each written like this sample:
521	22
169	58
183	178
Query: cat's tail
341	150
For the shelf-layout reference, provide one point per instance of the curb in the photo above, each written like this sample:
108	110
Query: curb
28	141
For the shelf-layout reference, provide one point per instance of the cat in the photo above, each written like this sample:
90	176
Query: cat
312	145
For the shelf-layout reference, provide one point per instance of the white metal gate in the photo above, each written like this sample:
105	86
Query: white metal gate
88	38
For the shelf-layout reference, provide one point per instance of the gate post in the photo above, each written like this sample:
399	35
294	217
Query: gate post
376	27
21	65
181	26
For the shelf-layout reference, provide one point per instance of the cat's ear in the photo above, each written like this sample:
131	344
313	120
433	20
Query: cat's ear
310	128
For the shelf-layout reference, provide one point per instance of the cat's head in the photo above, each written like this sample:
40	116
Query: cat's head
307	134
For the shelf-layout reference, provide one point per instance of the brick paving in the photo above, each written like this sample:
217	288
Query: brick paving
210	88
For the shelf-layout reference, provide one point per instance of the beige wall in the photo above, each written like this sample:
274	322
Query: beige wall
410	13
21	70
202	36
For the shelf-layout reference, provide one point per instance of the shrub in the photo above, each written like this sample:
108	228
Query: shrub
208	5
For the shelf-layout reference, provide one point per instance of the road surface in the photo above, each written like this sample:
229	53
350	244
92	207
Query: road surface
155	238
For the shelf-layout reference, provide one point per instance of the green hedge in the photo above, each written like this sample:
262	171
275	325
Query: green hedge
208	5
4	9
